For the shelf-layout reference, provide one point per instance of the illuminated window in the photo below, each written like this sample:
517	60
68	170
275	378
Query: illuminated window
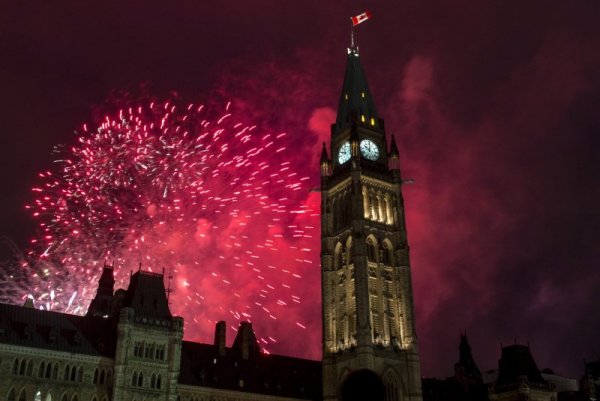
362	118
345	96
362	95
372	121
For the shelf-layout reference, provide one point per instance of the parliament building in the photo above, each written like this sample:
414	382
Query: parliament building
129	347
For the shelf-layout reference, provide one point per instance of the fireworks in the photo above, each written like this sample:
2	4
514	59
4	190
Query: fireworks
206	196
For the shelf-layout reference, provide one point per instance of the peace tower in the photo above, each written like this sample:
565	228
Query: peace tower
369	339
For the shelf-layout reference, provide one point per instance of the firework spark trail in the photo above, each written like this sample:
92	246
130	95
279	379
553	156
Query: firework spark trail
166	186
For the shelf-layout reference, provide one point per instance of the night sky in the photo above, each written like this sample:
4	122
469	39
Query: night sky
495	107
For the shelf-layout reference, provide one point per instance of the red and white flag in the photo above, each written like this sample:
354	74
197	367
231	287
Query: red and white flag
359	19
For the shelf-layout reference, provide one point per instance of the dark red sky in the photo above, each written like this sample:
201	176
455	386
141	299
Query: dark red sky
495	105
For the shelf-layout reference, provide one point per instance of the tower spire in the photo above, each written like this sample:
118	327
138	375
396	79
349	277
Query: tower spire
356	101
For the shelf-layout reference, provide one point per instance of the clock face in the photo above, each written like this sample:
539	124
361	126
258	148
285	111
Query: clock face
344	153
369	150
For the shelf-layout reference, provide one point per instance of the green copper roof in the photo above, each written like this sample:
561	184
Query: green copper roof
355	93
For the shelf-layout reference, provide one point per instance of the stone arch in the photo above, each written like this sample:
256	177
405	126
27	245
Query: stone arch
392	386
349	245
23	395
64	397
11	395
74	398
372	248
338	261
362	384
388	252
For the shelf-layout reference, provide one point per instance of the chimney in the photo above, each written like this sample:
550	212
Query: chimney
245	342
220	332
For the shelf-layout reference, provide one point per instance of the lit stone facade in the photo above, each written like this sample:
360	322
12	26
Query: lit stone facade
130	348
368	318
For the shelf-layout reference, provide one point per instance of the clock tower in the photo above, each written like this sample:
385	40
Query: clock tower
369	341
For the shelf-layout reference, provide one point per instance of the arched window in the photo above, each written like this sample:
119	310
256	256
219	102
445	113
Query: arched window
63	398
22	367
49	397
134	379
55	371
11	395
80	374
391	384
95	376
66	375
152	381
73	373
29	368
140	382
48	371
388	253
371	250
15	369
158	382
42	369
102	377
23	395
74	397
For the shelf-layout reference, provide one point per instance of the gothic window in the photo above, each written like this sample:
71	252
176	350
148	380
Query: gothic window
390	382
48	371
66	375
371	250
158	382
387	254
29	368
74	398
22	367
73	373
23	395
11	395
140	382
134	379
42	369
64	398
102	377
152	381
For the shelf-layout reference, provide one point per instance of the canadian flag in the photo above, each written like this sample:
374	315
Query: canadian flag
361	18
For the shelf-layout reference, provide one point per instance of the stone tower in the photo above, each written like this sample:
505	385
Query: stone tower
369	342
